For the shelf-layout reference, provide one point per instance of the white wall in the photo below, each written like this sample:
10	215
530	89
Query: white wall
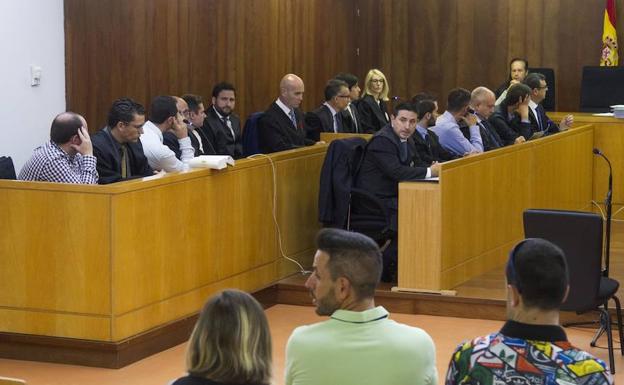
31	32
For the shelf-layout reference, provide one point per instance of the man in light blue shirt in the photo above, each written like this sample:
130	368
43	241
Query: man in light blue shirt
447	127
359	344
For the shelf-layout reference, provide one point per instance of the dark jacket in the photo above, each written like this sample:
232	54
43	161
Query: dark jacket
348	125
108	154
225	144
427	153
277	133
509	129
372	115
548	126
317	121
171	140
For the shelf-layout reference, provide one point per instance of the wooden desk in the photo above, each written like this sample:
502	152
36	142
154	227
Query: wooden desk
466	224
108	263
609	138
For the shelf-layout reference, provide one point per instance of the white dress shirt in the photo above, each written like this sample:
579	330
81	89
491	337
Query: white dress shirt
159	156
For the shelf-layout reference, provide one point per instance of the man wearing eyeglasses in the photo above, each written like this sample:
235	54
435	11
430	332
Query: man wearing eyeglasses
531	347
327	118
117	147
537	114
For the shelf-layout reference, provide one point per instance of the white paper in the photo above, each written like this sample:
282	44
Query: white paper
217	162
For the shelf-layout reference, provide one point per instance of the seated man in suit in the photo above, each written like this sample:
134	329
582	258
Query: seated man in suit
447	125
67	157
482	103
222	125
281	127
171	140
164	116
350	117
117	147
531	347
359	343
537	115
426	142
387	161
511	118
328	118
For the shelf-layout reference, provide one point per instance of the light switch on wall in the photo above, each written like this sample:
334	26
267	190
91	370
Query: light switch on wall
35	76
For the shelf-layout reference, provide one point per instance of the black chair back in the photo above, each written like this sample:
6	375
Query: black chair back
549	74
579	235
7	169
601	87
250	135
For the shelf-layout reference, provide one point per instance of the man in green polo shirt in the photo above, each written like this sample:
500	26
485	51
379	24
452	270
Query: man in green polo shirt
359	344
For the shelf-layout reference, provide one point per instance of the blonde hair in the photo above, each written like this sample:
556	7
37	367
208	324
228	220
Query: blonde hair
231	342
386	88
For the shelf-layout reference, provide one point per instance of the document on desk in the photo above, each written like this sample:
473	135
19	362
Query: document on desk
217	162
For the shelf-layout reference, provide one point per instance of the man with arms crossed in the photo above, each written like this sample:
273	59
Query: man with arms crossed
531	348
359	344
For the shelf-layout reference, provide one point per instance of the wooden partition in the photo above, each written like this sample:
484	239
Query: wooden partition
609	138
466	224
107	263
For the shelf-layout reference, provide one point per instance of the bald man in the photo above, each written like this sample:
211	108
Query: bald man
281	127
482	101
67	157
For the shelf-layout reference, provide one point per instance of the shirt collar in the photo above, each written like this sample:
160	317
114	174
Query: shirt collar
532	104
284	107
331	109
550	333
421	130
360	317
217	112
57	149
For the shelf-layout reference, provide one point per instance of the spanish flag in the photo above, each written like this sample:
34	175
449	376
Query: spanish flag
609	55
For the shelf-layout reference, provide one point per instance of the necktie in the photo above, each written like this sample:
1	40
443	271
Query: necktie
403	149
228	124
355	122
538	118
486	129
293	119
338	123
124	160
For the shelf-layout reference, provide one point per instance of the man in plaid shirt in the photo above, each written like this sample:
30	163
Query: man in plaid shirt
67	157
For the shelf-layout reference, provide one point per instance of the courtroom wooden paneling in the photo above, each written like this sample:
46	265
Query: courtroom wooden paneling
464	225
144	48
436	45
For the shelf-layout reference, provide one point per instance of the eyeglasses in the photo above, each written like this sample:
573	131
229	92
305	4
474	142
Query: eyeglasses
377	81
544	88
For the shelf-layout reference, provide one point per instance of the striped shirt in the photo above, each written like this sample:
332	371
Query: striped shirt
49	163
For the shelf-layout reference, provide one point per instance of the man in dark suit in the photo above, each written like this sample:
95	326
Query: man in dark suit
426	143
350	116
328	117
511	118
117	147
387	161
171	140
281	127
537	115
482	102
222	124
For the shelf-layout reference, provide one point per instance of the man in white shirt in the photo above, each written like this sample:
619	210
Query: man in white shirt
165	115
537	114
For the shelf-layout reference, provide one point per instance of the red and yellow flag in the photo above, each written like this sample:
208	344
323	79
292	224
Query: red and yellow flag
609	55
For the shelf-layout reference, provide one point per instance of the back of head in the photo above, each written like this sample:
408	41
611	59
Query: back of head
419	97
537	268
221	86
516	93
64	126
534	79
353	256
123	110
333	88
350	79
231	342
193	101
162	108
425	106
457	99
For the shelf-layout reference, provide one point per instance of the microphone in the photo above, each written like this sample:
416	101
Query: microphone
607	246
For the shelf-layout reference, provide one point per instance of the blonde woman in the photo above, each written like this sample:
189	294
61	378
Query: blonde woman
231	343
372	107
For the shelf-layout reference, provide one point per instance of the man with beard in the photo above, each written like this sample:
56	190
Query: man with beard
221	125
426	142
359	344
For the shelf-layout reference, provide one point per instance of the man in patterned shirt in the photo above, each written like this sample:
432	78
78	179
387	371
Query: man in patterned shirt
531	348
67	157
